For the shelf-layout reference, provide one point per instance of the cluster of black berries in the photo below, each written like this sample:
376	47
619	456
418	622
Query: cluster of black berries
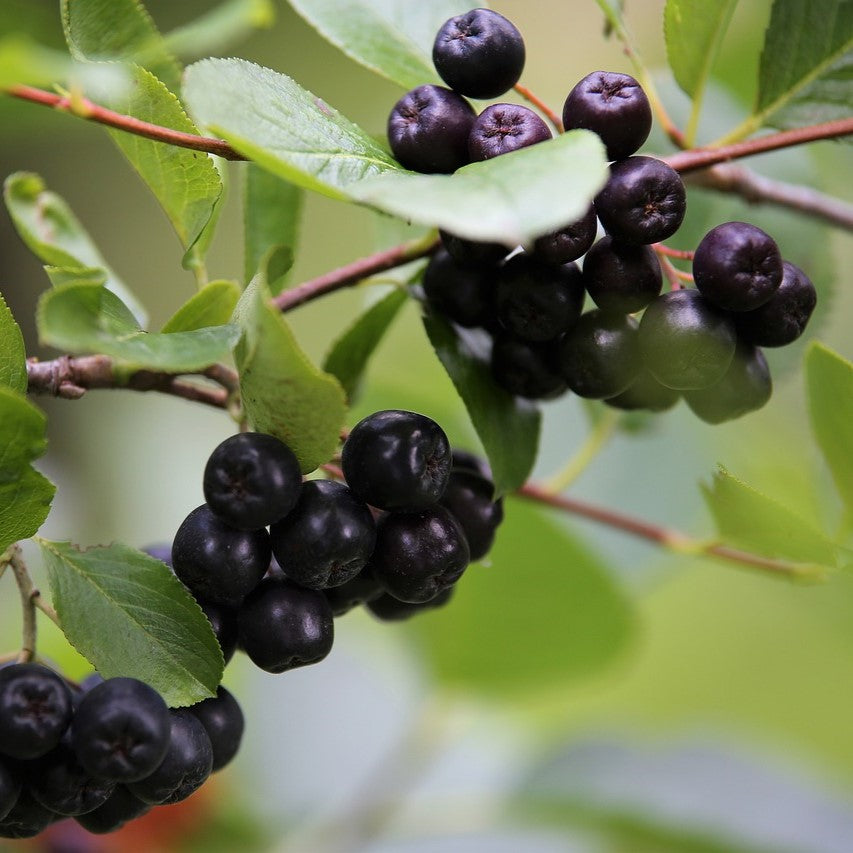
395	537
702	344
103	752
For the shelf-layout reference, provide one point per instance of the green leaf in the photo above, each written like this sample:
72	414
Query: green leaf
391	38
54	235
25	495
748	519
509	199
213	305
283	393
130	616
282	127
83	318
13	354
271	215
351	352
213	31
806	63
110	30
507	426
829	381
543	612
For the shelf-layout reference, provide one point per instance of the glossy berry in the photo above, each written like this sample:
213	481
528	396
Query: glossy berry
620	277
470	498
686	342
284	626
223	721
121	807
60	783
121	730
614	106
570	242
27	818
10	786
223	620
745	387
35	710
472	253
328	537
465	295
645	393
217	562
428	130
418	555
397	460
525	369
600	356
251	480
502	128
479	54
386	608
184	768
783	318
643	201
465	460
737	266
362	588
538	301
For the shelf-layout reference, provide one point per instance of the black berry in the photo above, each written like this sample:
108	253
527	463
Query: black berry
10	786
570	242
473	253
621	277
525	369
362	588
465	295
386	608
223	721
27	818
645	393
470	498
223	620
502	128
121	807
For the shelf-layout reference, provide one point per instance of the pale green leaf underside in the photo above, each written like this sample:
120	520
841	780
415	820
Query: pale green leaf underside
283	393
130	616
748	519
87	318
829	381
13	355
213	305
507	426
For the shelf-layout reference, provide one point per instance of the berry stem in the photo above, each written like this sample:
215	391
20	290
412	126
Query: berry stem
29	594
543	108
672	274
681	254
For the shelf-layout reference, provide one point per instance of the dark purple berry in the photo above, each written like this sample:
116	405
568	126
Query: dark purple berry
10	786
386	608
525	369
614	106
645	393
479	54
120	808
465	295
251	480
643	201
473	253
223	721
60	783
570	242
502	128
465	460
362	588
470	498
621	278
428	130
27	818
223	620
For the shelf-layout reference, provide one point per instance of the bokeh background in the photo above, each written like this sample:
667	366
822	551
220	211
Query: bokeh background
722	724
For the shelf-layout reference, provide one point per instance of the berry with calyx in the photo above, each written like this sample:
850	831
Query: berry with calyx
614	106
386	608
217	562
783	318
35	710
737	266
428	130
251	480
685	341
472	253
479	54
10	787
284	626
502	128
620	277
121	807
328	537
524	368
538	301
645	393
470	498
223	721
397	460
745	387
465	295
418	555
120	730
643	201
569	242
600	356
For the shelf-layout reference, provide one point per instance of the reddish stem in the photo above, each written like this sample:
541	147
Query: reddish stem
541	106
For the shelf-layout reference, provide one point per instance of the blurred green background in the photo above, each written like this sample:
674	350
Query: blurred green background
723	725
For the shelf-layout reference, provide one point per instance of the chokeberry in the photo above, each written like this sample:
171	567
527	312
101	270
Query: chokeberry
783	318
35	710
328	537
643	201
470	498
362	588
386	608
569	242
645	393
614	106
223	721
418	555
397	460
284	626
120	730
121	807
502	128
472	253
10	786
524	368
223	620
465	460
251	480
27	818
217	562
620	277
428	129
479	54
685	341
465	295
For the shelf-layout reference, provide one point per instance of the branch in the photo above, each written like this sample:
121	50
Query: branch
29	594
537	102
70	377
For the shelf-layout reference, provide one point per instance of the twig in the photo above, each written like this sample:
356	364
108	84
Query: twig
537	102
28	596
